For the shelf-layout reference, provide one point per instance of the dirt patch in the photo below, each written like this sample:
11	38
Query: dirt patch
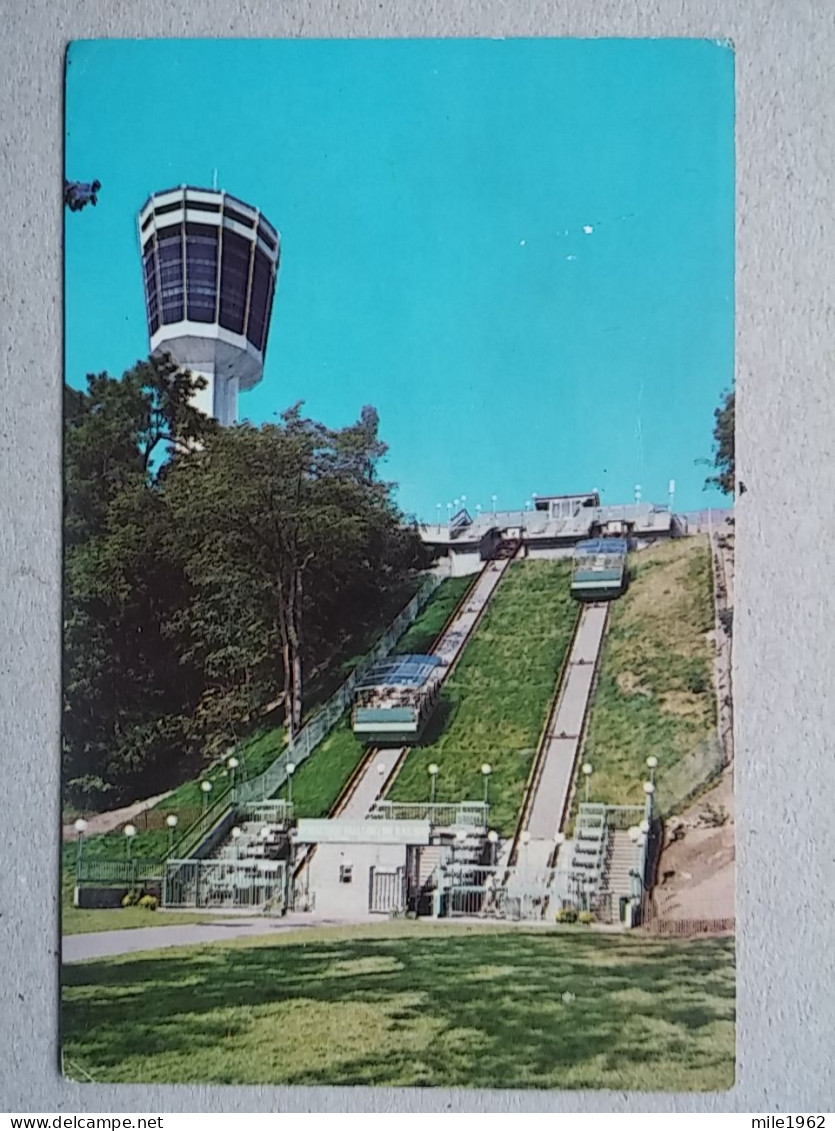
685	704
697	866
630	684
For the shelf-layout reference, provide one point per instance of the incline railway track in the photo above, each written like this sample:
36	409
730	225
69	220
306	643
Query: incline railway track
549	738
452	640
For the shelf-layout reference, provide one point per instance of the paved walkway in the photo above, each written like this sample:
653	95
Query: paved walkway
108	944
106	822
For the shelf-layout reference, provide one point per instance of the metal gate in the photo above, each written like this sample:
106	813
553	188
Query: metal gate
490	892
387	891
259	885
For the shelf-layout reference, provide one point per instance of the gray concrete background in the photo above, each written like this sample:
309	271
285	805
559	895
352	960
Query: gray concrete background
786	415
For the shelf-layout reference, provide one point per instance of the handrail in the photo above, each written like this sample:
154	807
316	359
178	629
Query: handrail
198	831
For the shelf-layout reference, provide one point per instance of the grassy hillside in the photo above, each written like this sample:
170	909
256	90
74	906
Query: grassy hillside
406	1004
655	694
494	705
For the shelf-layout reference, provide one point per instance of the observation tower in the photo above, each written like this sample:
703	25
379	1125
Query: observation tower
210	264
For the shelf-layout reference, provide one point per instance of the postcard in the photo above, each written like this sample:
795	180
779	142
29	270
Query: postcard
399	563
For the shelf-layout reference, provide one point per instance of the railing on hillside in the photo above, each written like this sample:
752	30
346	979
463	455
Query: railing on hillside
300	747
197	832
678	785
461	814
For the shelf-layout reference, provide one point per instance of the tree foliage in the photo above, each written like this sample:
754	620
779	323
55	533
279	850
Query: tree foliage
208	571
724	456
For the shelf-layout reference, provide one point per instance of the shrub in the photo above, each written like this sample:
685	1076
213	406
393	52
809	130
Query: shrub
567	915
131	898
149	902
696	681
586	917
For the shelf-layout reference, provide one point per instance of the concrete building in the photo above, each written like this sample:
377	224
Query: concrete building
550	528
210	264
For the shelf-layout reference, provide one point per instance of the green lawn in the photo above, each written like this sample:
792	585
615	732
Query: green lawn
495	703
655	694
421	636
408	1004
77	921
318	781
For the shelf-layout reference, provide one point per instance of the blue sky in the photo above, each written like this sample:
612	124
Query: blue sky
432	197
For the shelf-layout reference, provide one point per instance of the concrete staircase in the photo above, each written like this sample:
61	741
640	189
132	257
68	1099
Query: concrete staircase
251	846
617	883
590	853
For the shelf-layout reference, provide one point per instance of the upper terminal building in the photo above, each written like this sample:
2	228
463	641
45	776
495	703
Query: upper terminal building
210	265
551	527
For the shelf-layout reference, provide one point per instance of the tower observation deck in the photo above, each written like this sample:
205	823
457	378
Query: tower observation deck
210	265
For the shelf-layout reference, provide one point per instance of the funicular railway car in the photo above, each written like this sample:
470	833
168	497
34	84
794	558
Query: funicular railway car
599	569
396	698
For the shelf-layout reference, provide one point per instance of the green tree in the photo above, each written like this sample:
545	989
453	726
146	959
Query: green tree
124	686
288	533
724	456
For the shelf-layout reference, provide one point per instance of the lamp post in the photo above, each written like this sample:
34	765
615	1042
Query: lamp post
172	820
206	787
588	770
493	839
652	762
448	513
233	764
438	509
80	826
486	771
291	769
464	502
494	499
130	833
434	769
236	836
649	790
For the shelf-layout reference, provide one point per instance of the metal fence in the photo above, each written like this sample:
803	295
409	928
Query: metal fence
305	742
118	872
464	814
624	816
688	927
268	812
255	885
482	891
